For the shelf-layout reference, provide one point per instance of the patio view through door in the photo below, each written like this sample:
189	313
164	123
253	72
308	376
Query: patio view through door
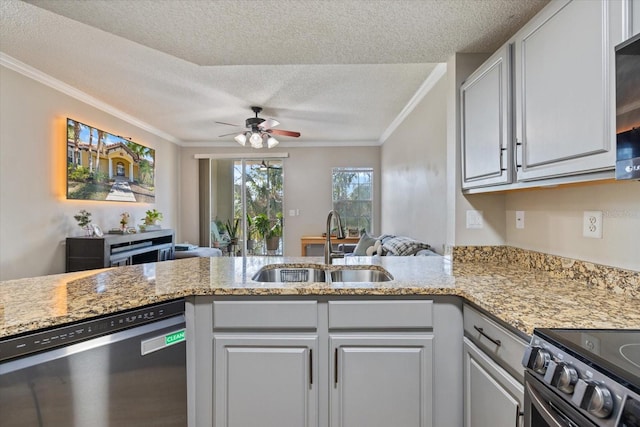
245	206
258	195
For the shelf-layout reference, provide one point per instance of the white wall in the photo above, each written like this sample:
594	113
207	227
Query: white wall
414	174
307	187
35	216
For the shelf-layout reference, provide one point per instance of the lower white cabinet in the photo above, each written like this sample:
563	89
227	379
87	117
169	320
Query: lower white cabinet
492	397
265	380
381	380
309	362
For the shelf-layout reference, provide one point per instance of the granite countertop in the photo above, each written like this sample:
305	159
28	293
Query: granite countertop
521	298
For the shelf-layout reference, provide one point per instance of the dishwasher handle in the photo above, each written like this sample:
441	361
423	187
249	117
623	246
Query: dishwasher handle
162	341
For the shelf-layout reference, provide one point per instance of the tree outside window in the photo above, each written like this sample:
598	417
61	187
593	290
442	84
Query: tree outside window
353	197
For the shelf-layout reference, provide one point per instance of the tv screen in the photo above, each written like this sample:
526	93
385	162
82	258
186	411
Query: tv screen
102	166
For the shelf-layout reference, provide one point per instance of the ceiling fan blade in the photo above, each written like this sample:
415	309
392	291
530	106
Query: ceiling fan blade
268	124
227	134
228	124
284	132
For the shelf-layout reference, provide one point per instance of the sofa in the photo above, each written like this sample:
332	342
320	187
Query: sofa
387	245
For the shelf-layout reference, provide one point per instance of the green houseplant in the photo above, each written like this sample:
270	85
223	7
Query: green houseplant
151	221
275	233
84	220
232	230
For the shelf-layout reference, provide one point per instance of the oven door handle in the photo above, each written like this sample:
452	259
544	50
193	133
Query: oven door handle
543	408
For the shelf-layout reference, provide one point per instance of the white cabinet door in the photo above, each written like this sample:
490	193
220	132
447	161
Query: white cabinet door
635	16
265	380
485	100
381	380
564	89
492	397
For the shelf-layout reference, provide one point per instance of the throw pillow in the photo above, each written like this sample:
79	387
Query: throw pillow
403	246
364	242
375	249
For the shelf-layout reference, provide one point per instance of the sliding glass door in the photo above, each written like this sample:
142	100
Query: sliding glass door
245	202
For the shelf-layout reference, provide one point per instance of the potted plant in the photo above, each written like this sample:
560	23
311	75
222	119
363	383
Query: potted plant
232	230
84	220
151	220
274	234
124	220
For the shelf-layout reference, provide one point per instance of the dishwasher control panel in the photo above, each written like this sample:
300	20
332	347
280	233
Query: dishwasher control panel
69	334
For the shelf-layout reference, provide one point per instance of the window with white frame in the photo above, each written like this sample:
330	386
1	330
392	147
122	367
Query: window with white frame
352	190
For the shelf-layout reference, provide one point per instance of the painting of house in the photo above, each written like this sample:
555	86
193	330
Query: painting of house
102	166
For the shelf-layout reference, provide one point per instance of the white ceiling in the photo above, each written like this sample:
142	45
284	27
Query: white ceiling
338	71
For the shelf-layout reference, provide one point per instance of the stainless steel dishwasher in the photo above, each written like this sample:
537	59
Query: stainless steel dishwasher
127	369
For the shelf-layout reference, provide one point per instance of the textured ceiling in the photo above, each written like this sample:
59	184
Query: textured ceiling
336	71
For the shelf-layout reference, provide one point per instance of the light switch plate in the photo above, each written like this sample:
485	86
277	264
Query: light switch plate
520	219
474	219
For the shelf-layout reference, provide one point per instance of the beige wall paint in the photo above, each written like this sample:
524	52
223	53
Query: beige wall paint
307	187
35	216
553	222
414	174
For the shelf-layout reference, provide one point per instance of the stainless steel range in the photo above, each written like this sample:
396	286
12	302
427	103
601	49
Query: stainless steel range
582	378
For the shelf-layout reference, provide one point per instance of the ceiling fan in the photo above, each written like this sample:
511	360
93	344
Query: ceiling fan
260	131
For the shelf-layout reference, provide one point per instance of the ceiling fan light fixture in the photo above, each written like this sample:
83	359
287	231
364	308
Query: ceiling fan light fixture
256	140
241	139
272	142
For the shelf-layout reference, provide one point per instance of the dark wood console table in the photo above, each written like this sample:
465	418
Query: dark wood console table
86	253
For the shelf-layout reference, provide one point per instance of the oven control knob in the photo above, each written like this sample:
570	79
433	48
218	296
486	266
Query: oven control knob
562	376
593	397
536	358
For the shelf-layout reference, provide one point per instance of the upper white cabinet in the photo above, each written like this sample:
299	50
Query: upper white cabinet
541	110
485	102
635	16
564	88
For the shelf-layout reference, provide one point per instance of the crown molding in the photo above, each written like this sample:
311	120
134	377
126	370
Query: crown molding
37	75
439	71
285	144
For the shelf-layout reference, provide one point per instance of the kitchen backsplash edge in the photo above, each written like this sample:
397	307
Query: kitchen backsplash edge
617	280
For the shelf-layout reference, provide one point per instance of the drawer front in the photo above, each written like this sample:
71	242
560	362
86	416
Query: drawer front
486	334
380	314
265	315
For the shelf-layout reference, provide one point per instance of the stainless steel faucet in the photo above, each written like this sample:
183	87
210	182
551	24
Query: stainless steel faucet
329	254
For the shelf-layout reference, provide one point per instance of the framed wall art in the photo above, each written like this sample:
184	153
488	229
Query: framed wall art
103	166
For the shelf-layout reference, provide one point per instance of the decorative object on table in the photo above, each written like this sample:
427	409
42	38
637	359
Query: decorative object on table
124	221
84	220
151	220
96	230
103	166
353	232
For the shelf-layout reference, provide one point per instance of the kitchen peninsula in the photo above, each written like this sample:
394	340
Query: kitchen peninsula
523	299
422	310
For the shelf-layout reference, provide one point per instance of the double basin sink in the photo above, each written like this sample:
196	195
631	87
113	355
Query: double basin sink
282	273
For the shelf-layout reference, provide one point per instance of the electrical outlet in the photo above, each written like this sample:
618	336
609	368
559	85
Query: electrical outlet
520	219
592	224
